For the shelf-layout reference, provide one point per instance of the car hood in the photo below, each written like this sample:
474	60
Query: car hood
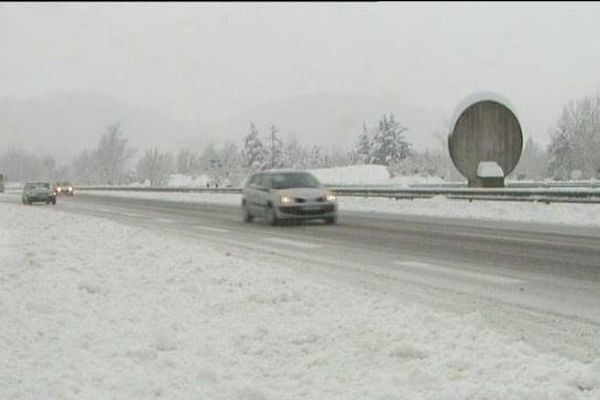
304	193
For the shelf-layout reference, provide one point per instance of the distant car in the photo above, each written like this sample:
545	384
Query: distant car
64	188
279	195
40	192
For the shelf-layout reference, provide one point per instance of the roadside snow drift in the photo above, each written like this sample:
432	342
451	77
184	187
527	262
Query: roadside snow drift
352	175
92	309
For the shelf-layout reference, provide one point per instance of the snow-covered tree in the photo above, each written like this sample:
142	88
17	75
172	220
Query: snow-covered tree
274	149
560	154
253	151
155	167
113	156
229	170
389	145
576	140
362	150
295	155
85	168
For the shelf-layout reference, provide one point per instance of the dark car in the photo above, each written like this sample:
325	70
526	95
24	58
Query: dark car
278	195
38	192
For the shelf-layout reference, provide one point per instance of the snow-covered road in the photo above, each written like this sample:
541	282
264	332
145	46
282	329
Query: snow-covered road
532	212
135	303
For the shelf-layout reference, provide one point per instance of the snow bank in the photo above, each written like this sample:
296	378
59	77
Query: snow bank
352	175
179	180
369	175
97	309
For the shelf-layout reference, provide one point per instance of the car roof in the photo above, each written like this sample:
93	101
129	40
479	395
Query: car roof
276	171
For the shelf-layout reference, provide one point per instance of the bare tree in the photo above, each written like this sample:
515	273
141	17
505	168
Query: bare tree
155	167
576	139
113	156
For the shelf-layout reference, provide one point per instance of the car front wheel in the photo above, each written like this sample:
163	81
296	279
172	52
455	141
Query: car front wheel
272	216
331	220
247	216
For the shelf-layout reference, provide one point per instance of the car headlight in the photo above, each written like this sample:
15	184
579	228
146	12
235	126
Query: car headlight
70	188
331	197
286	200
59	189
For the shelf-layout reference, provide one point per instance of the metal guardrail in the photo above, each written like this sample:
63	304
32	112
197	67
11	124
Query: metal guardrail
544	195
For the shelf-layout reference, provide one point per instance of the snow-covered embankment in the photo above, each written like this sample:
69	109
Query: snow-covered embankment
94	309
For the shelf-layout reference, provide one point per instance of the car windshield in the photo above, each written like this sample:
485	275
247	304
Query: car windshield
289	180
37	185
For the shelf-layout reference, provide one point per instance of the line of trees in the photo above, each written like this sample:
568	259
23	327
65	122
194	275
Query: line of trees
574	152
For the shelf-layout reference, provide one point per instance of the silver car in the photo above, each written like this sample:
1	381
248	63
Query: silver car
38	192
279	195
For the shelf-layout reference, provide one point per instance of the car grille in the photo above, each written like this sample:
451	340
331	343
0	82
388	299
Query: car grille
302	200
324	209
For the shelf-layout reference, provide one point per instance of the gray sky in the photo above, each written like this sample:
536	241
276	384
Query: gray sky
203	61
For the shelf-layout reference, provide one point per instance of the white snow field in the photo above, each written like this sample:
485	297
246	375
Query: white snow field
93	309
439	206
369	175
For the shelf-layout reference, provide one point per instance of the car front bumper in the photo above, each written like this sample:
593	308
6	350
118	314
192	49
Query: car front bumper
36	199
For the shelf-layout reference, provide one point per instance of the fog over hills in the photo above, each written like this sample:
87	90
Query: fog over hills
64	123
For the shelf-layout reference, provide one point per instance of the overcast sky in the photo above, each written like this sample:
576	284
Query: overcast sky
208	60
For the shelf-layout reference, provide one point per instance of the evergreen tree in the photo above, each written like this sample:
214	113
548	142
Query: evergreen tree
389	145
560	154
362	150
253	152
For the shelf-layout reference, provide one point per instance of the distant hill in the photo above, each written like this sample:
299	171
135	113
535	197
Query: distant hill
63	124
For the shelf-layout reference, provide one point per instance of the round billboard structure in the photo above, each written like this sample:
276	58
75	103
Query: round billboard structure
485	132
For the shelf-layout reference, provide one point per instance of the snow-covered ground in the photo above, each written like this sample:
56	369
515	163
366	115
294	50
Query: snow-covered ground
94	309
554	213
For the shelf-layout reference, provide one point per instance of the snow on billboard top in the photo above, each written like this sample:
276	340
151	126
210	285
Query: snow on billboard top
489	169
